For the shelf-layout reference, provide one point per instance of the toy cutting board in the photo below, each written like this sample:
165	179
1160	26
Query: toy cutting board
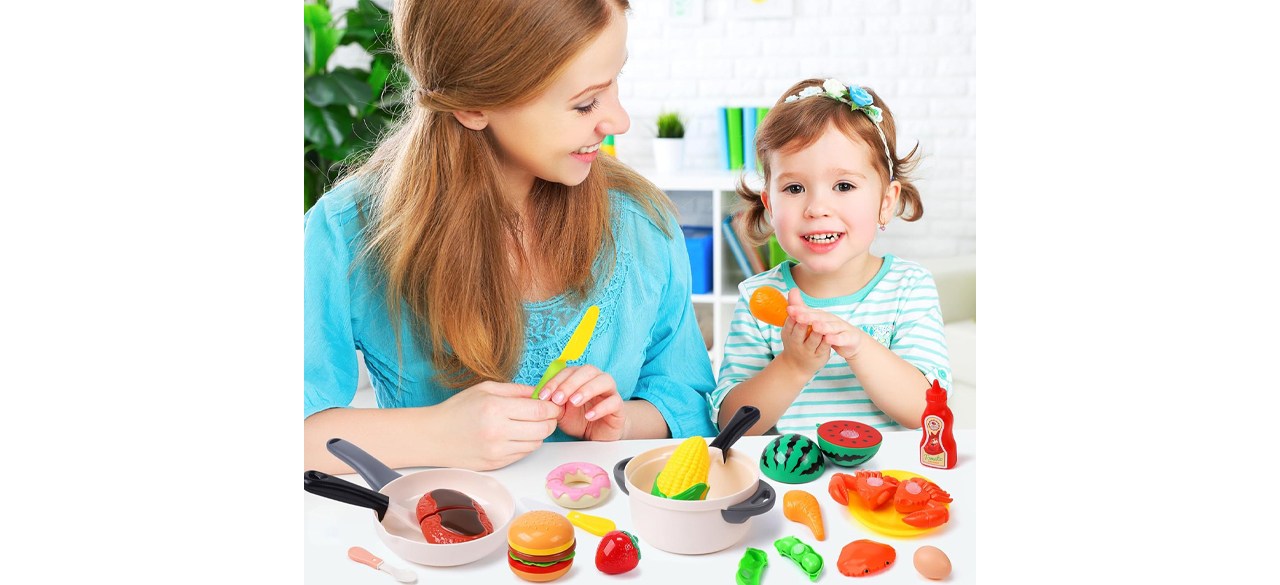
886	520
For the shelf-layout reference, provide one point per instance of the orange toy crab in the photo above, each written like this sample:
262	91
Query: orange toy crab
873	489
919	499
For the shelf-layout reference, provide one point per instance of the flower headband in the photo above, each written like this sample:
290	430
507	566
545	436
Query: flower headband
859	101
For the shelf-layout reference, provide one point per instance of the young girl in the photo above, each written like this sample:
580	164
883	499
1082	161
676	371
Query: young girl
462	255
863	338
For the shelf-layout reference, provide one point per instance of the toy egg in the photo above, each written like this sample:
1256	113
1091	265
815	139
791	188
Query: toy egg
792	458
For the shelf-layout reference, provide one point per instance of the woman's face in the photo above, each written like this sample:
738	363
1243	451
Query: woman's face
556	136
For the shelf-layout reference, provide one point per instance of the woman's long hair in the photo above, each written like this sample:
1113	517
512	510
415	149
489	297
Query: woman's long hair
439	232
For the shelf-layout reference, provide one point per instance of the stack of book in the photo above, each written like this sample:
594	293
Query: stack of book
751	259
738	136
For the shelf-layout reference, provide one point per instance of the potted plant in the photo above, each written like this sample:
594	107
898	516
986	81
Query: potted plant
668	147
346	109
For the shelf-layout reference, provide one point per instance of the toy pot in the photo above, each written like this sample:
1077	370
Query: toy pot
735	494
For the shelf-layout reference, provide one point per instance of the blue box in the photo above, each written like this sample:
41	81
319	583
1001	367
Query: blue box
697	239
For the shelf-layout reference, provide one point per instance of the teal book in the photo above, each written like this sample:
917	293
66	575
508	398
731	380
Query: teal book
749	139
723	119
733	120
735	246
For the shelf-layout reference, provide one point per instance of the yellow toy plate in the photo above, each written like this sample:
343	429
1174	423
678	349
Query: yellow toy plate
886	520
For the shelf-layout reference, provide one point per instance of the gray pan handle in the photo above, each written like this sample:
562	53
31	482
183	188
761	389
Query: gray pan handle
759	503
373	471
620	476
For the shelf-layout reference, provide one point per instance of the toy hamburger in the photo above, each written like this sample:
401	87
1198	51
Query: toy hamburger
542	546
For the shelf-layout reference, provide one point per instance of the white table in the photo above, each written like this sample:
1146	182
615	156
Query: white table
330	527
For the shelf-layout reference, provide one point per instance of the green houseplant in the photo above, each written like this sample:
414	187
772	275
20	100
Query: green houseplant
668	147
346	109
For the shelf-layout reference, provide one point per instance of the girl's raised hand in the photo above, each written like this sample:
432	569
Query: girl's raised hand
805	351
494	424
835	332
592	405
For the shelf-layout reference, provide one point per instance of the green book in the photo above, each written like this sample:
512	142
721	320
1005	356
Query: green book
733	123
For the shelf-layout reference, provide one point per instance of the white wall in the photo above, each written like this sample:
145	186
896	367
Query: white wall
919	55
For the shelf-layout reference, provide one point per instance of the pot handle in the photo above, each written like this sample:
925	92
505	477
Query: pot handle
341	490
374	472
759	503
620	476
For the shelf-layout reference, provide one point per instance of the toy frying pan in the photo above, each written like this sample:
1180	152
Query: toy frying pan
406	540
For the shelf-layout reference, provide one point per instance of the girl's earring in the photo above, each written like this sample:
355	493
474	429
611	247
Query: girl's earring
881	227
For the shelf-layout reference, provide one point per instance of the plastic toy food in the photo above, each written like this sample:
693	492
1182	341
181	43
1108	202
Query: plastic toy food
938	443
865	557
450	516
541	544
768	304
848	443
932	563
751	566
802	554
792	459
593	524
578	485
872	488
618	552
919	499
684	477
800	506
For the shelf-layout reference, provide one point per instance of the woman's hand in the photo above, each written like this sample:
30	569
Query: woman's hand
592	405
494	424
836	333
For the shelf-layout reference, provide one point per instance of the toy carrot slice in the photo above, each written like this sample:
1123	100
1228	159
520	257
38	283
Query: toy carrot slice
800	506
768	304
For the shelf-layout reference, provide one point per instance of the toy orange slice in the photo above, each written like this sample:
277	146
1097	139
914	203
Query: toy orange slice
768	304
886	520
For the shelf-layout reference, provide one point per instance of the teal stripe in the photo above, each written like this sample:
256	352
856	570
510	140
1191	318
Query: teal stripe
840	389
742	311
901	331
746	334
832	414
744	366
843	377
829	402
921	348
727	345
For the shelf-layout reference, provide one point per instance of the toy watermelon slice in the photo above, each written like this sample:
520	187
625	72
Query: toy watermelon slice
848	443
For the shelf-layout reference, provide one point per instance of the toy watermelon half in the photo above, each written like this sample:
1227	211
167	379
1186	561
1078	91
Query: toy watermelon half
848	443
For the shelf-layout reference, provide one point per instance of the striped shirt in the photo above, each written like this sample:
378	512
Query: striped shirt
898	307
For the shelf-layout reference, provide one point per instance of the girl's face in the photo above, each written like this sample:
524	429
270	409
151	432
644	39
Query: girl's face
826	201
556	136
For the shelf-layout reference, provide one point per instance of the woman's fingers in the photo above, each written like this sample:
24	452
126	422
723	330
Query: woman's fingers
599	383
604	406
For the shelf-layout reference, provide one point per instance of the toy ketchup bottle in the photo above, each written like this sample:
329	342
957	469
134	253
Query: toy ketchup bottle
938	445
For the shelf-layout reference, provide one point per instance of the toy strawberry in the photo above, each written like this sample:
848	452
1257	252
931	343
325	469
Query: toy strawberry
618	553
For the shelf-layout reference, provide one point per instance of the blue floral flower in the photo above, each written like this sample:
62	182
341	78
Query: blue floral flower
860	96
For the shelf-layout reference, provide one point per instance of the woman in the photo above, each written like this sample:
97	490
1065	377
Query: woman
460	257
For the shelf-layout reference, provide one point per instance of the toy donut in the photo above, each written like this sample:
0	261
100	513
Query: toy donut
578	496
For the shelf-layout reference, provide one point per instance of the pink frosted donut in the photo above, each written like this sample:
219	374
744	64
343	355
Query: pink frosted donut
578	496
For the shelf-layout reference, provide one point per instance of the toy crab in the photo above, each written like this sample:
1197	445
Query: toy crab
873	488
919	499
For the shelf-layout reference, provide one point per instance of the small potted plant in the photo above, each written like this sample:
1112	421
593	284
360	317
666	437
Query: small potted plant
668	147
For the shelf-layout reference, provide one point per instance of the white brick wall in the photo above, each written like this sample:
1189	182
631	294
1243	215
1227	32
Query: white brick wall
918	55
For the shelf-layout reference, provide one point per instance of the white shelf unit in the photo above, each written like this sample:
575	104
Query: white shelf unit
720	187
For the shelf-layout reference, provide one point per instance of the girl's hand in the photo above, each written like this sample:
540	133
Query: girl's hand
493	424
804	350
592	405
835	332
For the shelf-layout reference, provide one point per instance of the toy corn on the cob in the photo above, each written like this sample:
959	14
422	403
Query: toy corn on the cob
684	477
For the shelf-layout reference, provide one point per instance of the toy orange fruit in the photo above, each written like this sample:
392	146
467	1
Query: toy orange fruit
768	304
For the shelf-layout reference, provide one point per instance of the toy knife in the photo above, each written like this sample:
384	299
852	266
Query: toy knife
573	349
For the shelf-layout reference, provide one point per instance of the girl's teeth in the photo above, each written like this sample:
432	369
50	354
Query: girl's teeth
588	149
822	238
